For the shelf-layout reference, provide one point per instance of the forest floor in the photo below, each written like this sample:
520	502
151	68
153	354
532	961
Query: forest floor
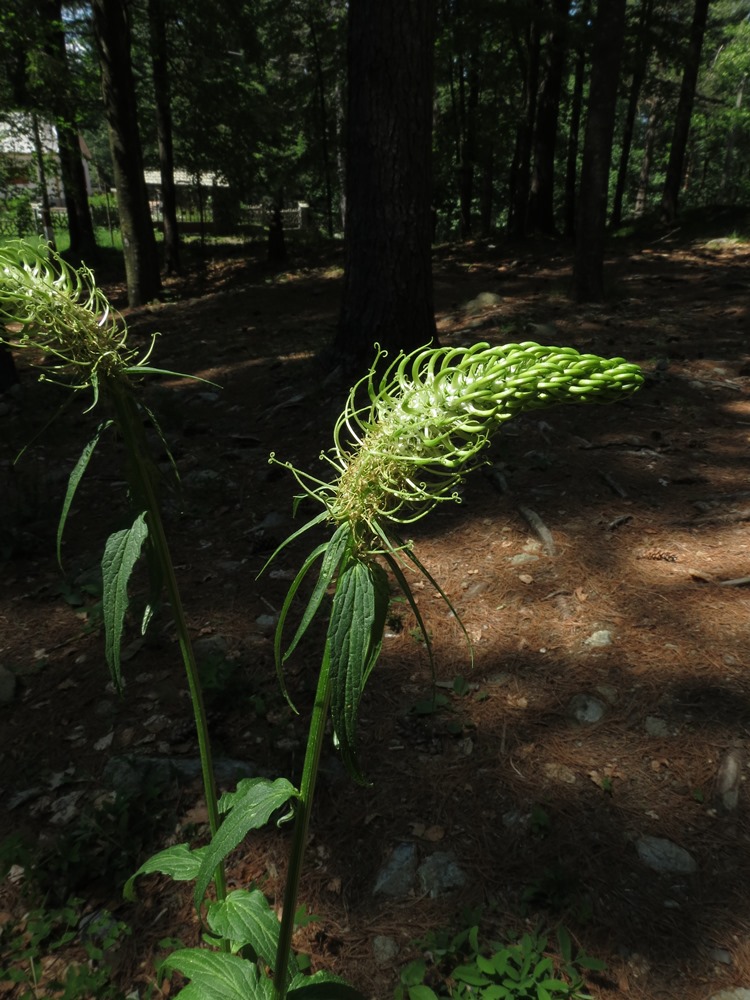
609	701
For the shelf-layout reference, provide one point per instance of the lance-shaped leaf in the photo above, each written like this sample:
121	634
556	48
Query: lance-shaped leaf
355	635
252	805
73	481
120	556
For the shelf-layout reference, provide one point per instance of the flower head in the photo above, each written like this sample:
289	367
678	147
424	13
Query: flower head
434	411
62	313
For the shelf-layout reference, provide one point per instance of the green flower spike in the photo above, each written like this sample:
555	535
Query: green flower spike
428	420
64	315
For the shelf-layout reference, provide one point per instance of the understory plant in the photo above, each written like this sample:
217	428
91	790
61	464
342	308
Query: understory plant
464	965
409	433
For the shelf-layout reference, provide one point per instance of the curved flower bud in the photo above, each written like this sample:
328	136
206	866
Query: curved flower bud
434	411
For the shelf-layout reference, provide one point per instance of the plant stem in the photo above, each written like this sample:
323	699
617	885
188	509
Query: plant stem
301	824
129	421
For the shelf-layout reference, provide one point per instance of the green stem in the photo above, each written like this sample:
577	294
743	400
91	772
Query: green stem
130	425
301	825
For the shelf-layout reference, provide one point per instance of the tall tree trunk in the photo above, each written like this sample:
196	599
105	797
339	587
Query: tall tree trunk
468	106
729	178
73	174
641	198
112	32
276	247
387	297
49	232
486	185
323	116
163	103
684	113
576	106
640	65
80	224
588	270
542	194
524	138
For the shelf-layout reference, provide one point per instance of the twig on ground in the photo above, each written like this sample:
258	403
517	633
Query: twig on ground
541	529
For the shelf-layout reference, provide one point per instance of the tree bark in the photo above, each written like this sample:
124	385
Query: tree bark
588	269
542	200
576	106
640	65
112	32
163	103
521	183
468	106
387	297
675	167
322	105
641	198
73	174
49	232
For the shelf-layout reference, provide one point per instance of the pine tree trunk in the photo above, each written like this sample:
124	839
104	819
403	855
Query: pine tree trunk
576	107
322	105
112	32
641	198
387	297
588	269
80	225
163	104
542	200
486	184
642	53
525	135
675	167
73	174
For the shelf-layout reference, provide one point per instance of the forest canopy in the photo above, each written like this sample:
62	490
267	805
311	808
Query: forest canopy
242	117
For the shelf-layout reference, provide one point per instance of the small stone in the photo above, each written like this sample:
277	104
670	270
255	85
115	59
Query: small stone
720	955
267	623
655	726
521	558
728	780
599	639
439	874
662	855
7	686
741	993
396	877
105	742
586	709
384	949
